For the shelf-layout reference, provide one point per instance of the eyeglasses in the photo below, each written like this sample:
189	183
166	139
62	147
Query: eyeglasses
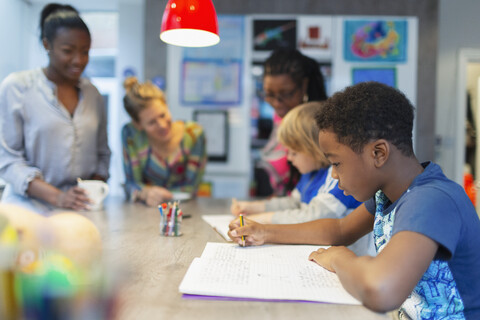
281	97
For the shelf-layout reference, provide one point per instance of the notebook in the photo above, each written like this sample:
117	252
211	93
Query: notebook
219	223
270	272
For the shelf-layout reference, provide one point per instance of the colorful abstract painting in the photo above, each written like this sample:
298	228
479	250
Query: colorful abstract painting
375	40
272	34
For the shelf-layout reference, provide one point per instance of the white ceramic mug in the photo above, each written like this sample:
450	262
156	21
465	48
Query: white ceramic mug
96	190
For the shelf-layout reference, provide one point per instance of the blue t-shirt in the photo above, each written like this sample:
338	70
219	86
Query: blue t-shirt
438	208
321	181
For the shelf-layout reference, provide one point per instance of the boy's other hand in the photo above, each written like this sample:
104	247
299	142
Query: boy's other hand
326	257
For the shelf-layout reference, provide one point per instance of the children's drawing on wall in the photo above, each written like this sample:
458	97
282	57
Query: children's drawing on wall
375	40
211	82
315	35
271	34
386	76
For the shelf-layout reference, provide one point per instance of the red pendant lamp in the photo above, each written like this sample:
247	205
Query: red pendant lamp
190	23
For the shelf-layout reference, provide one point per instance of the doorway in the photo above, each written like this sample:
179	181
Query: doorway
468	122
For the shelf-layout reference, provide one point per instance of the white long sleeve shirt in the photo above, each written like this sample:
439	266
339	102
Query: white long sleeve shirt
39	137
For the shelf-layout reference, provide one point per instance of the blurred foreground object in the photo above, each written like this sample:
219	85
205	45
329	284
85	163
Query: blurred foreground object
8	249
52	267
69	233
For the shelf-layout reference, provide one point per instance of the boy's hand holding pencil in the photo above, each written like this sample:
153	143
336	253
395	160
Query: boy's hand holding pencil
250	234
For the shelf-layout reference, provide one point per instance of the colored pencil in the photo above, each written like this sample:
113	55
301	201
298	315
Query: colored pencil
241	225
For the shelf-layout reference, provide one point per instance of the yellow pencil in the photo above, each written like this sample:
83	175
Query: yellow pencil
241	225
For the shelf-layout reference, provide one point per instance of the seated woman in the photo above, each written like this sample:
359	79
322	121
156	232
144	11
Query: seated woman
161	156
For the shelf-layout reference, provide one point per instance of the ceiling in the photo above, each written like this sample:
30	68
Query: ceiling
86	4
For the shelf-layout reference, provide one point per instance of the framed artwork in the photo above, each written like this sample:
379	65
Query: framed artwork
215	126
315	36
211	82
386	76
375	40
271	34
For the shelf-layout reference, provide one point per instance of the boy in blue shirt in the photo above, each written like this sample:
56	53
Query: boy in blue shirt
426	230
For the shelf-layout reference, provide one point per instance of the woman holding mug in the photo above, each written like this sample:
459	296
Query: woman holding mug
53	122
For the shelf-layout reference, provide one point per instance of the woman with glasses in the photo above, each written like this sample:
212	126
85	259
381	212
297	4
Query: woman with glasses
290	79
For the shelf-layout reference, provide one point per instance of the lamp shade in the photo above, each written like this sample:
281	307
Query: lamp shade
190	23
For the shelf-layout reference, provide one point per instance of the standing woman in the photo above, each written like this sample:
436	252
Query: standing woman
161	156
53	122
289	79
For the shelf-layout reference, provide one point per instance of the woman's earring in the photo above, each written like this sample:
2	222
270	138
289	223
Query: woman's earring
305	97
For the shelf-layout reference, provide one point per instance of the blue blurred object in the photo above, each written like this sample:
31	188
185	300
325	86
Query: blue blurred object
129	72
160	82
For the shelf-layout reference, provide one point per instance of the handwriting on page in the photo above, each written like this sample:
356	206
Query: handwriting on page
267	272
267	253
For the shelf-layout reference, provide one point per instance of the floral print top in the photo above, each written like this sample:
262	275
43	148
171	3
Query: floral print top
182	170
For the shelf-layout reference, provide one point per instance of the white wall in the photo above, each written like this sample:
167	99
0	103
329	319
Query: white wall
130	55
459	27
13	55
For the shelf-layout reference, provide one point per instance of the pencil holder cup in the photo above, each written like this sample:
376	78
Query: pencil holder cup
170	220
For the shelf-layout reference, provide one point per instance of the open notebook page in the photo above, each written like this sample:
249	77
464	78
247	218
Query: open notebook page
280	272
219	223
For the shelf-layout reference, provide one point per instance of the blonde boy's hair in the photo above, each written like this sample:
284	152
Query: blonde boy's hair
299	131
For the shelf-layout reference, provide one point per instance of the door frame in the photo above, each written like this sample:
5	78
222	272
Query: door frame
465	56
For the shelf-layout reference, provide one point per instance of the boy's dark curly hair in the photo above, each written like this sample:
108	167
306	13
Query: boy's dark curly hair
368	111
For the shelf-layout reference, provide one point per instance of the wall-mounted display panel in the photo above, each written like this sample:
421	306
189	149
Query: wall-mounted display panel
387	76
